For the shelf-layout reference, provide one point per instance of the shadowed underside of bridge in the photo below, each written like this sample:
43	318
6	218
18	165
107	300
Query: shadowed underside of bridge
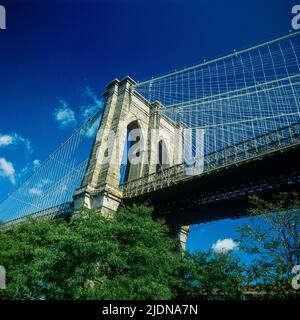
246	104
224	193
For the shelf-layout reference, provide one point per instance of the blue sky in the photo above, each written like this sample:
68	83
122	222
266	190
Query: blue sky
57	56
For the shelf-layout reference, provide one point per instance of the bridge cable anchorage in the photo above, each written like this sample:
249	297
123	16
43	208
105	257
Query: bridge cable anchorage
53	183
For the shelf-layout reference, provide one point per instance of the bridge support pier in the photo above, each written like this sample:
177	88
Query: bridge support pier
180	233
105	202
182	236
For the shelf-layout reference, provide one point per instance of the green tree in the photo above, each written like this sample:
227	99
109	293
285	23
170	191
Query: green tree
272	237
20	254
211	275
129	256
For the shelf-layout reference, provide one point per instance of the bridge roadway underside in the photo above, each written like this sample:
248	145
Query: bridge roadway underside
224	193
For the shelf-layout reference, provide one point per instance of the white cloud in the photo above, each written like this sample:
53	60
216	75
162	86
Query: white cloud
35	191
64	115
224	245
7	170
39	187
5	140
15	139
28	169
92	130
89	110
36	163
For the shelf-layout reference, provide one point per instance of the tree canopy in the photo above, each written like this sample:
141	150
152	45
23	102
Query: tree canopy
129	256
272	237
132	256
211	275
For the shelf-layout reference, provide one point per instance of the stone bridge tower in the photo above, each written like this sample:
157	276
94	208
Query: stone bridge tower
125	110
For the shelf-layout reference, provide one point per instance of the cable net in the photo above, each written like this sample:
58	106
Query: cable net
53	183
237	98
246	103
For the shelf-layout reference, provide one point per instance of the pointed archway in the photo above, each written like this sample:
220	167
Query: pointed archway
131	165
162	156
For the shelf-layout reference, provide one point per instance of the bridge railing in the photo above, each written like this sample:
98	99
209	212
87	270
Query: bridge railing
257	146
152	182
260	146
64	209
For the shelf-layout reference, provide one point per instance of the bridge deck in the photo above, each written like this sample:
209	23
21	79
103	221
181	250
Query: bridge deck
263	146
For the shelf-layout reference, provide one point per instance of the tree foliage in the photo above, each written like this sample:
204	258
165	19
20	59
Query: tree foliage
272	237
129	256
21	251
132	256
211	275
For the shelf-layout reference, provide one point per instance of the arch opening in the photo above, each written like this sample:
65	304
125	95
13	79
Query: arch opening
131	165
162	157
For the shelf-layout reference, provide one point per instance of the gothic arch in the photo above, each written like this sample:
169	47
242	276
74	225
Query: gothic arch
130	170
162	156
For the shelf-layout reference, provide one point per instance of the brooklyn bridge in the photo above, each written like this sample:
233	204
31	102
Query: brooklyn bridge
204	138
